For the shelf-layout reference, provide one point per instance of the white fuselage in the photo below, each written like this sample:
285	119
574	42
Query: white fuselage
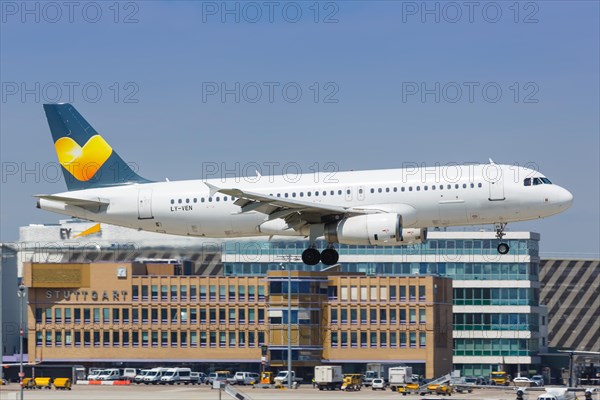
425	197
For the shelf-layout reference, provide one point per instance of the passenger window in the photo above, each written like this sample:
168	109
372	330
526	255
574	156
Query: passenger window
387	190
379	190
218	198
347	191
316	192
432	187
395	189
195	200
441	187
331	192
402	189
479	184
225	198
449	187
339	192
472	185
418	188
410	188
201	199
464	185
172	201
278	194
187	201
286	195
308	194
180	201
210	199
456	186
424	187
301	194
360	191
293	194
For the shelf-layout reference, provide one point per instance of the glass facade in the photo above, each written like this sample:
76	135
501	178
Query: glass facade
469	258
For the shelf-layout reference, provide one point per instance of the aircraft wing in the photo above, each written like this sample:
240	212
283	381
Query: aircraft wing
295	212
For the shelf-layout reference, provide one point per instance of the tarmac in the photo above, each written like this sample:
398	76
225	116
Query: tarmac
203	392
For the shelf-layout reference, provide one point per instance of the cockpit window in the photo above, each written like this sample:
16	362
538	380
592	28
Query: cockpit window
536	181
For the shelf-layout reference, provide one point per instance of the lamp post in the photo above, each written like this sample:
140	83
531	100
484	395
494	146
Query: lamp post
22	293
289	325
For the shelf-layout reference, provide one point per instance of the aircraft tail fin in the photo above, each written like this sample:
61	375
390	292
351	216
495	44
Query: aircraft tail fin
87	160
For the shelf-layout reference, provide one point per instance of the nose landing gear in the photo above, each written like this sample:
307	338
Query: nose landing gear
503	248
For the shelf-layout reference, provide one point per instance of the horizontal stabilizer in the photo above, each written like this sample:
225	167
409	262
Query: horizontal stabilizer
83	203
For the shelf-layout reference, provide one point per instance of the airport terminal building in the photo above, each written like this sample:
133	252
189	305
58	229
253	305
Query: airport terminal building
376	306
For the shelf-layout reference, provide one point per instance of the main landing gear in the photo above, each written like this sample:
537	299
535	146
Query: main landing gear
502	248
312	256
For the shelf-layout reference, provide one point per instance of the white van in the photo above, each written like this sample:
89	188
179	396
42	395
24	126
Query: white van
153	376
139	378
93	374
128	374
177	375
110	374
245	378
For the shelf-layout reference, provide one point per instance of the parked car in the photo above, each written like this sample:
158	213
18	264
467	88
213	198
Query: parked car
221	376
378	384
176	376
523	381
245	378
198	378
538	380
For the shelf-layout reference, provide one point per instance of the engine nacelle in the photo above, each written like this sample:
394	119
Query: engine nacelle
371	229
413	236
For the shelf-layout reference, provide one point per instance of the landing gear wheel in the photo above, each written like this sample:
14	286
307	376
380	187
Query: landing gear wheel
503	248
311	256
329	256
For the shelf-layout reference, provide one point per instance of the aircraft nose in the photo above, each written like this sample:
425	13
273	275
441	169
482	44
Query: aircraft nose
564	198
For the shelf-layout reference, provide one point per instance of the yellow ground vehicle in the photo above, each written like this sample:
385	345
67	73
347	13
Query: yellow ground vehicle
499	378
62	383
266	378
43	383
409	388
352	382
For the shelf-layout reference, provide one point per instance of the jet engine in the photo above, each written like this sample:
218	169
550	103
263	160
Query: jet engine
384	229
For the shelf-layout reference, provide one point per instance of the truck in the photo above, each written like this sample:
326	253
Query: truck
282	378
328	377
376	370
499	378
399	377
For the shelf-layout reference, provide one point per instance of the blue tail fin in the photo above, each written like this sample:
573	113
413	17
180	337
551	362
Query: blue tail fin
87	160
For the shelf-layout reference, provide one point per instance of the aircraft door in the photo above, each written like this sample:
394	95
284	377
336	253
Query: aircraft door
497	190
492	174
145	204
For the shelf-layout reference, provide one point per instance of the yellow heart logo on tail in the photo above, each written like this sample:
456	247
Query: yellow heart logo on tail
82	162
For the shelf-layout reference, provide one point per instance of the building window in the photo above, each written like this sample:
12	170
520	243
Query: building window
422	340
125	313
241	339
413	316
164	292
48	316
144	315
412	293
402	293
68	338
183	292
173	292
193	339
174	339
202	292
154	292
115	316
383	339
125	339
363	316
97	315
58	315
393	339
193	293
115	339
251	292
106	339
135	292
402	339
373	336
144	292
421	292
203	339
164	339
193	315
413	339
422	316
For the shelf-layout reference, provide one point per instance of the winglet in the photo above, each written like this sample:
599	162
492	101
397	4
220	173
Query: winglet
213	189
491	161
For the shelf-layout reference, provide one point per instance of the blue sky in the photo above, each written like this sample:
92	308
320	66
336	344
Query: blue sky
156	62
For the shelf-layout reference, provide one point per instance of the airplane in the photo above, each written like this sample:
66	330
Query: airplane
392	207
